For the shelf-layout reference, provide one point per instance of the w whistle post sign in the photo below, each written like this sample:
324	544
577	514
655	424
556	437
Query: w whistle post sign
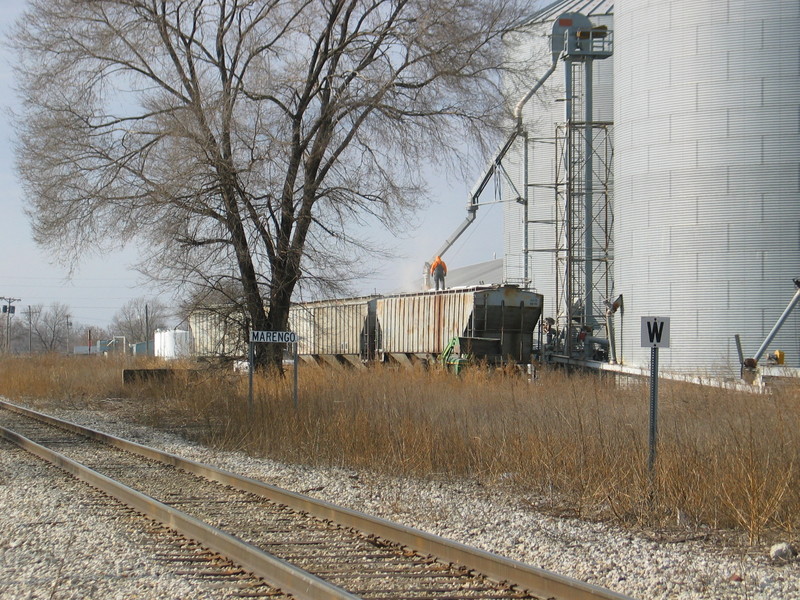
655	332
655	335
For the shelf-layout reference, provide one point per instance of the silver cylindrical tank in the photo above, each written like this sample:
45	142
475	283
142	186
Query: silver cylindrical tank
707	176
172	343
530	52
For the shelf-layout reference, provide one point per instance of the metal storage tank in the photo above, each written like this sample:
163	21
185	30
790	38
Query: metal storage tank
530	51
422	325
335	330
707	172
172	343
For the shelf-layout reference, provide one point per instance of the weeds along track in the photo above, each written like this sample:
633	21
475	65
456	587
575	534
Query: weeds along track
304	547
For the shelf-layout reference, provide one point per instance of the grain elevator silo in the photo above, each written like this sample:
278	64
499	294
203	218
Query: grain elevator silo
707	176
536	237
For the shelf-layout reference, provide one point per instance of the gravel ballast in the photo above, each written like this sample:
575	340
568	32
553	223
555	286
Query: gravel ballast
37	510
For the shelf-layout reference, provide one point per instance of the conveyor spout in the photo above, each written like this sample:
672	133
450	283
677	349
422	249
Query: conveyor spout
752	362
561	27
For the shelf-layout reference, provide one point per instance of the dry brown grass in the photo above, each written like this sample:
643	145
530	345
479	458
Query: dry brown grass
573	444
70	379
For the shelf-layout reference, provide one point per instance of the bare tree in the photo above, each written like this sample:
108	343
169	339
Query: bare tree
246	140
50	328
138	319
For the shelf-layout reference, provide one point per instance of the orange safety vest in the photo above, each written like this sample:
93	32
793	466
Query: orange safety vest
438	262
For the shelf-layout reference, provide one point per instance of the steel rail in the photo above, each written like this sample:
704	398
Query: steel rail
536	581
275	571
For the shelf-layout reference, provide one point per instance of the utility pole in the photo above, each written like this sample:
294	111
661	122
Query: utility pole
146	330
9	309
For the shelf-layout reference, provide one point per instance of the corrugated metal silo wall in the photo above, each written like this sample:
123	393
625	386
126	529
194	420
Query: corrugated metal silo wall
541	115
707	171
331	327
422	323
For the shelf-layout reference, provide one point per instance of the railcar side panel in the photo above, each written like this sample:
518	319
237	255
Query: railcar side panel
218	332
335	328
422	323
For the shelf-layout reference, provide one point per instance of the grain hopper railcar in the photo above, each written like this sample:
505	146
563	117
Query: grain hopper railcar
492	323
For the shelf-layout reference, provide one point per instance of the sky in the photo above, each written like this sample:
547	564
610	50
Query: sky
101	285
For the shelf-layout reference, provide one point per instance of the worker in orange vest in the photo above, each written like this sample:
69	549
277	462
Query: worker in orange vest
438	270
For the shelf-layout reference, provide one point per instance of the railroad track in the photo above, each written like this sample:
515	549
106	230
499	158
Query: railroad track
305	547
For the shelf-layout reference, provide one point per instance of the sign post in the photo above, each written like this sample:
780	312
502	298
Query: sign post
651	457
655	335
250	361
296	364
270	337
